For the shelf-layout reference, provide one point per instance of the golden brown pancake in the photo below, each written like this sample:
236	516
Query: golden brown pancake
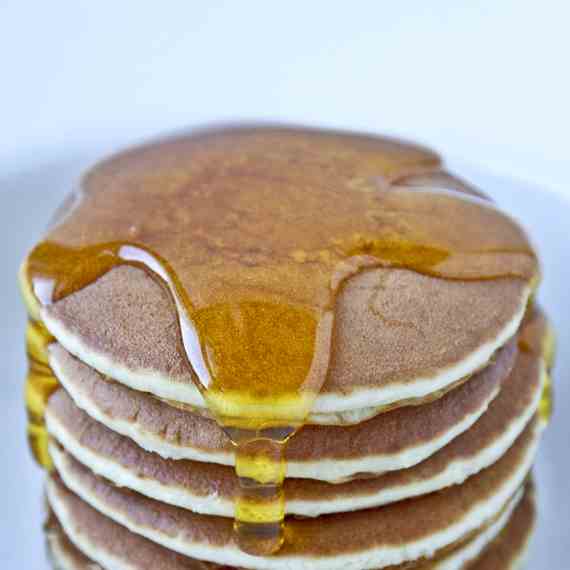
211	489
234	212
433	333
377	537
108	541
510	547
390	441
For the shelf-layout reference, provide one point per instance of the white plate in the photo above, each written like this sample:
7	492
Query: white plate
26	202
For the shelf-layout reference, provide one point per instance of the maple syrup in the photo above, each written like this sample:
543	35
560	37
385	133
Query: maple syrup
538	338
40	380
546	406
253	232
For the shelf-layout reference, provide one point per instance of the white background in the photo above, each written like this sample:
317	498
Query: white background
485	80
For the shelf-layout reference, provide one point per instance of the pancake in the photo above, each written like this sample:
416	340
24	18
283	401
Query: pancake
510	548
394	440
417	306
116	548
211	489
380	537
378	362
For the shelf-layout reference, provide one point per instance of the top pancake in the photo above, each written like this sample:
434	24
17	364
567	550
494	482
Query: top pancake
431	334
253	213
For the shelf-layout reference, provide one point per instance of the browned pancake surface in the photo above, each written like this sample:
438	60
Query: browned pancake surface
394	525
415	328
388	433
231	210
207	479
111	538
511	544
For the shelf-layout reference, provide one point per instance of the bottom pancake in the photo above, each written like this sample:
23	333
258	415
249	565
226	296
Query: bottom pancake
95	541
379	537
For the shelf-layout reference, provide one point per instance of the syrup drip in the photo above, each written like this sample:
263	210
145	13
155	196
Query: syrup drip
538	332
40	384
40	381
546	407
546	404
253	232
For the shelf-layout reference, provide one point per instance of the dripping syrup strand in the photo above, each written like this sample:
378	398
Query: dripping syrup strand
41	382
260	450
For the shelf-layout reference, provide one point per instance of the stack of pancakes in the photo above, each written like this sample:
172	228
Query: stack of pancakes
417	451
